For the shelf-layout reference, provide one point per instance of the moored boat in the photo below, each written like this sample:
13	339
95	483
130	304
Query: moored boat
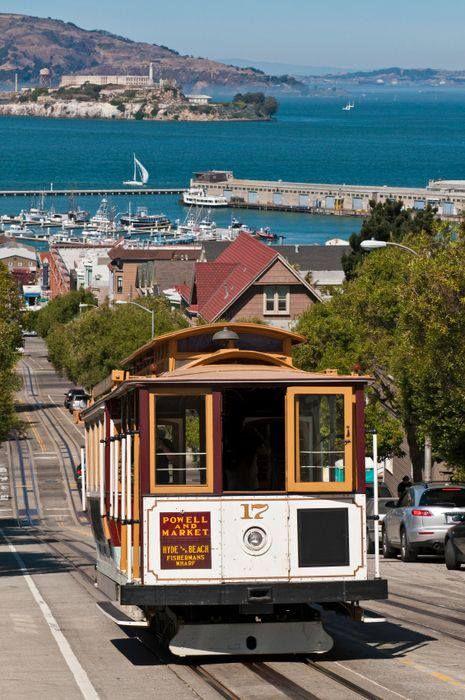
197	196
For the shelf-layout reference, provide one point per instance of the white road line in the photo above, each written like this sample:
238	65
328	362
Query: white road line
80	676
360	675
67	417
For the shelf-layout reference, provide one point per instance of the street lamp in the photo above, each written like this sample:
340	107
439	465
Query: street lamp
83	306
144	308
372	244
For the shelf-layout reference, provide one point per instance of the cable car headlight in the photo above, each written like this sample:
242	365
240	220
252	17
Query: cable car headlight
255	539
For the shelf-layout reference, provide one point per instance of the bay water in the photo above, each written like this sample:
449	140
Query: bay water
391	137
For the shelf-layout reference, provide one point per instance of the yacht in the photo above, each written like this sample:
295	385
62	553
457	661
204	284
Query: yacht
104	219
196	223
197	196
140	176
348	107
143	221
18	230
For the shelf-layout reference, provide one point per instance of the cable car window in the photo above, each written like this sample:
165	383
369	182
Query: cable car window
321	438
180	441
319	449
253	439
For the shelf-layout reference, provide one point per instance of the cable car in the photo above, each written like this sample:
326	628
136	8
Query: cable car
226	491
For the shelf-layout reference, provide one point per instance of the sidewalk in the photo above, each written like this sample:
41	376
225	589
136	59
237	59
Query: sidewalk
31	663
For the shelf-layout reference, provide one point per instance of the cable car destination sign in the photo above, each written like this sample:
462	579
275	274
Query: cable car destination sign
185	540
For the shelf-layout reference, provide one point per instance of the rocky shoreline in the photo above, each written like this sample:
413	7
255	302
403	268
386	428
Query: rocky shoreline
150	105
91	110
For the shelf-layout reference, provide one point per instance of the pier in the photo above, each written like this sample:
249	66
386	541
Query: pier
97	192
447	196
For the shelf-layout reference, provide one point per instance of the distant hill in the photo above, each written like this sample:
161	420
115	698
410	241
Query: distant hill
395	76
28	44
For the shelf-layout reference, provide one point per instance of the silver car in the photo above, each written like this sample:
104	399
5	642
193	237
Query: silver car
382	510
419	520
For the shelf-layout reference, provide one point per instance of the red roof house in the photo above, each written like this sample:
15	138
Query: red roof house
249	280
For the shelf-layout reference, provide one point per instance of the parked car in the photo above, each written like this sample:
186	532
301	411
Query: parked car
29	334
78	475
71	394
418	522
79	402
382	510
454	544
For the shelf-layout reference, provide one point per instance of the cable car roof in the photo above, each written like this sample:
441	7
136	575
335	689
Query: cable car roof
211	329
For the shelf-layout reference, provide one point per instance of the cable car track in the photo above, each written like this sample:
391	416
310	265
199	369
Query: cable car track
63	450
349	685
262	669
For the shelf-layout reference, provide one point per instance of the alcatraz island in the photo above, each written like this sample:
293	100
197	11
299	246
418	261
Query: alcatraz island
130	97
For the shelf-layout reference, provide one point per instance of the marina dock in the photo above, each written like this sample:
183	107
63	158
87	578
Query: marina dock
447	196
97	192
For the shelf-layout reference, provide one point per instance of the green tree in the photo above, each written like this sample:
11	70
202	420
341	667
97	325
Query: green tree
388	221
354	332
89	347
10	340
402	320
430	360
270	105
62	309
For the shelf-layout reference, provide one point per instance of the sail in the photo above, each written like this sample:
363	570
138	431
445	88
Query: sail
144	173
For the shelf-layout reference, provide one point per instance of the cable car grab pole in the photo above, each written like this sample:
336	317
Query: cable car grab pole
375	504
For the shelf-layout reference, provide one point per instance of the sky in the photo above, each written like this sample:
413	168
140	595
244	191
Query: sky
341	33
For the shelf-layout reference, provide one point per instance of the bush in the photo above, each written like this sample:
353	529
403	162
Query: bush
140	114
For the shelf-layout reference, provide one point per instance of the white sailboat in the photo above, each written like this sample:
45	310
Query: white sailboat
141	175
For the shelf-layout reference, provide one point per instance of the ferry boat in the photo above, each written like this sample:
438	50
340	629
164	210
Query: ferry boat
143	221
197	196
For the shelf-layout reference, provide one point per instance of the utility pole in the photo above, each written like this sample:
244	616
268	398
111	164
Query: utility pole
427	470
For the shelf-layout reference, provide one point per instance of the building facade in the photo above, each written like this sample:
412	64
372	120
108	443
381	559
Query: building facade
138	271
448	197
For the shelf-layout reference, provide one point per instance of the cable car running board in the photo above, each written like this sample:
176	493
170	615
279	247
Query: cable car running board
118	616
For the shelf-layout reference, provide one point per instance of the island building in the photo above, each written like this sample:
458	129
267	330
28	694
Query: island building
45	78
199	99
447	196
129	81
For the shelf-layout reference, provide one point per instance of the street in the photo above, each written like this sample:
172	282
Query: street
56	644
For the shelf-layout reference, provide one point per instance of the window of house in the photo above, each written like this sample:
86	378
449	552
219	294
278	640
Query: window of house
276	300
119	284
181	441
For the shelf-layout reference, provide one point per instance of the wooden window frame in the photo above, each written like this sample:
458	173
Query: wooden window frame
292	440
208	487
276	311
